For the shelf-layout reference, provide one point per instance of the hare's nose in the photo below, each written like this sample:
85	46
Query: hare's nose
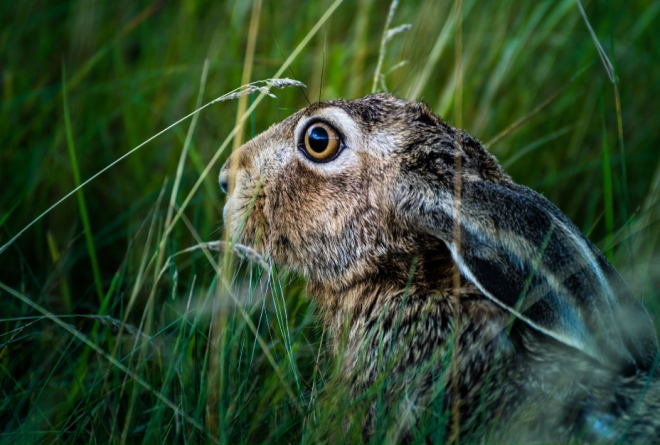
224	180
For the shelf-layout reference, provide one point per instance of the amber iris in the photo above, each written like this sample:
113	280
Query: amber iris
321	141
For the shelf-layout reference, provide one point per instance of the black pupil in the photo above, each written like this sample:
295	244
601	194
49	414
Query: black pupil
318	139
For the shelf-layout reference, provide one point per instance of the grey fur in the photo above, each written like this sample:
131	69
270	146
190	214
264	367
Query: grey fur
375	232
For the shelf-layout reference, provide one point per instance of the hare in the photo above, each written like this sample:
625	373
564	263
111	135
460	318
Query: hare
439	275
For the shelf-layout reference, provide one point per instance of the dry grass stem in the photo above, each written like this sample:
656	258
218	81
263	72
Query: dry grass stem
240	250
260	86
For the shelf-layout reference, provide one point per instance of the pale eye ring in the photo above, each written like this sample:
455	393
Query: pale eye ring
321	142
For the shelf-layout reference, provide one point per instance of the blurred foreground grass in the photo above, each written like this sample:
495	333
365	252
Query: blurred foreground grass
84	82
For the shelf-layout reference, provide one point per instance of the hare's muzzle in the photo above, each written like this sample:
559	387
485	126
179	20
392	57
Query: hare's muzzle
224	186
224	178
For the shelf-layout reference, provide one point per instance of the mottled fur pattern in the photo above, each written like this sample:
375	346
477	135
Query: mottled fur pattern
541	341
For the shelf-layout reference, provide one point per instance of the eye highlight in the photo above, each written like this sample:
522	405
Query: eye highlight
321	142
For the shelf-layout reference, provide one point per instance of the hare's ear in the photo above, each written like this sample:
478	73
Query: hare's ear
525	255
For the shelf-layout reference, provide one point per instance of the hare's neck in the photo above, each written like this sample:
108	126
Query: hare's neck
387	284
343	306
349	313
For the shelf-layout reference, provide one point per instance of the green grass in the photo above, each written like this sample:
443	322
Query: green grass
147	343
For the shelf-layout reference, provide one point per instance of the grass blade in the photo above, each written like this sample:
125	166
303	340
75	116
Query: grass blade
82	206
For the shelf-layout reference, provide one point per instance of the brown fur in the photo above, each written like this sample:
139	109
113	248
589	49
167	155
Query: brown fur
365	230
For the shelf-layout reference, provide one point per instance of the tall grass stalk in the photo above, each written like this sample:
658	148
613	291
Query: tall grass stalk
82	206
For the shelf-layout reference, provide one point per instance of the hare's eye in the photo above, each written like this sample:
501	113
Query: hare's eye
321	142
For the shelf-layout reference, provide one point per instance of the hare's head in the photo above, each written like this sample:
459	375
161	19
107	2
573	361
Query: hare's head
347	191
321	191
